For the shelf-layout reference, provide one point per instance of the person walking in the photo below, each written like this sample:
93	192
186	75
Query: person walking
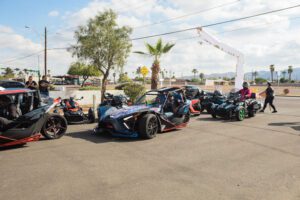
43	86
269	92
31	84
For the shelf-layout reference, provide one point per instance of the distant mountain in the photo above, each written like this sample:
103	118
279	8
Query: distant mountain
248	75
267	74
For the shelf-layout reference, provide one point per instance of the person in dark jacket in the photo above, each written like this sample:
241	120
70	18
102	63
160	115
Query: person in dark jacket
269	98
31	84
43	86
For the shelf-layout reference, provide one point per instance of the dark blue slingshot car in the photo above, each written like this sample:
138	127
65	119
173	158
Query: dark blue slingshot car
156	111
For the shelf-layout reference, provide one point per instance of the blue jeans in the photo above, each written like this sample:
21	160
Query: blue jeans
44	93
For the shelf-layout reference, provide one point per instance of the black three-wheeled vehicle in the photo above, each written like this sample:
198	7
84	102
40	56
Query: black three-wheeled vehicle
23	118
236	108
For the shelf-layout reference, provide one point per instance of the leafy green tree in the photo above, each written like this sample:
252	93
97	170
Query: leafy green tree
8	73
201	76
195	71
283	74
124	78
272	70
290	71
156	51
83	70
134	90
103	43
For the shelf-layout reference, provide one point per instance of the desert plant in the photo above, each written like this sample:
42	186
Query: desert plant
134	90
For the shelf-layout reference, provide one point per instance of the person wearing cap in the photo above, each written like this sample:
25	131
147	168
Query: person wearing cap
245	92
269	92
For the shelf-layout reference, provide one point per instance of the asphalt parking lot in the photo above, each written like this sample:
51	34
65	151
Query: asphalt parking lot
258	158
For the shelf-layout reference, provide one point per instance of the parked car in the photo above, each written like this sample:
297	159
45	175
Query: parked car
11	84
155	111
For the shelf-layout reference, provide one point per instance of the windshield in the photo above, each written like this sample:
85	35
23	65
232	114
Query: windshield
151	98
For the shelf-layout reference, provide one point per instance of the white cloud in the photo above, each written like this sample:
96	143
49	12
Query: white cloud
53	13
269	39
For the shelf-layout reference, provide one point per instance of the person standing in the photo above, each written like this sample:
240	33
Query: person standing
31	84
269	92
43	86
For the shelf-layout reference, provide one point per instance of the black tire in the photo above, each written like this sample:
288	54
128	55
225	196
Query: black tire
209	109
214	115
202	109
251	113
91	116
55	127
148	126
187	117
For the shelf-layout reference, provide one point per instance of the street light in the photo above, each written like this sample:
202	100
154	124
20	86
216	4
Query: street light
45	46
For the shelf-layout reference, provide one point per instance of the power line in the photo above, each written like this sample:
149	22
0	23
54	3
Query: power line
217	23
208	25
237	29
23	57
186	15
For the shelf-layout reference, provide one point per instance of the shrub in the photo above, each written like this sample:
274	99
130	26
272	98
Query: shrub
90	88
286	91
124	78
134	90
260	80
51	87
122	86
195	80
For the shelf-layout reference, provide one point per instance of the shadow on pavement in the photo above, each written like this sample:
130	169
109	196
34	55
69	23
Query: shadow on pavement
293	125
90	136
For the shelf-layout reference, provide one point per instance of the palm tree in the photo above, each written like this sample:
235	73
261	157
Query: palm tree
156	51
195	71
255	73
201	76
290	71
283	74
272	69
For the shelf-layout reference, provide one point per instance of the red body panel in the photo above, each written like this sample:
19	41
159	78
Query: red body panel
14	142
192	110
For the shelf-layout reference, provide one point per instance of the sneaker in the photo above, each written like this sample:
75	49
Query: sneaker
261	111
275	111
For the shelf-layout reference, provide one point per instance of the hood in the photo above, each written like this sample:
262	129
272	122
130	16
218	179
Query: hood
125	111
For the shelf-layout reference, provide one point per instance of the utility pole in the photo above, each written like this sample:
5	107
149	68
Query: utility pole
45	59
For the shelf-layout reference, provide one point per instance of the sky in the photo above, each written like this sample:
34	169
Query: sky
269	39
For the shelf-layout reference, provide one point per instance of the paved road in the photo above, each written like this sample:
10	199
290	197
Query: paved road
258	158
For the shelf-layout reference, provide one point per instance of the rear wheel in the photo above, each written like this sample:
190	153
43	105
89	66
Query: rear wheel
91	116
55	127
251	112
148	126
240	114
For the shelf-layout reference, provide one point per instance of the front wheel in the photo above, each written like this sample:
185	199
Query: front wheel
148	126
240	114
55	126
